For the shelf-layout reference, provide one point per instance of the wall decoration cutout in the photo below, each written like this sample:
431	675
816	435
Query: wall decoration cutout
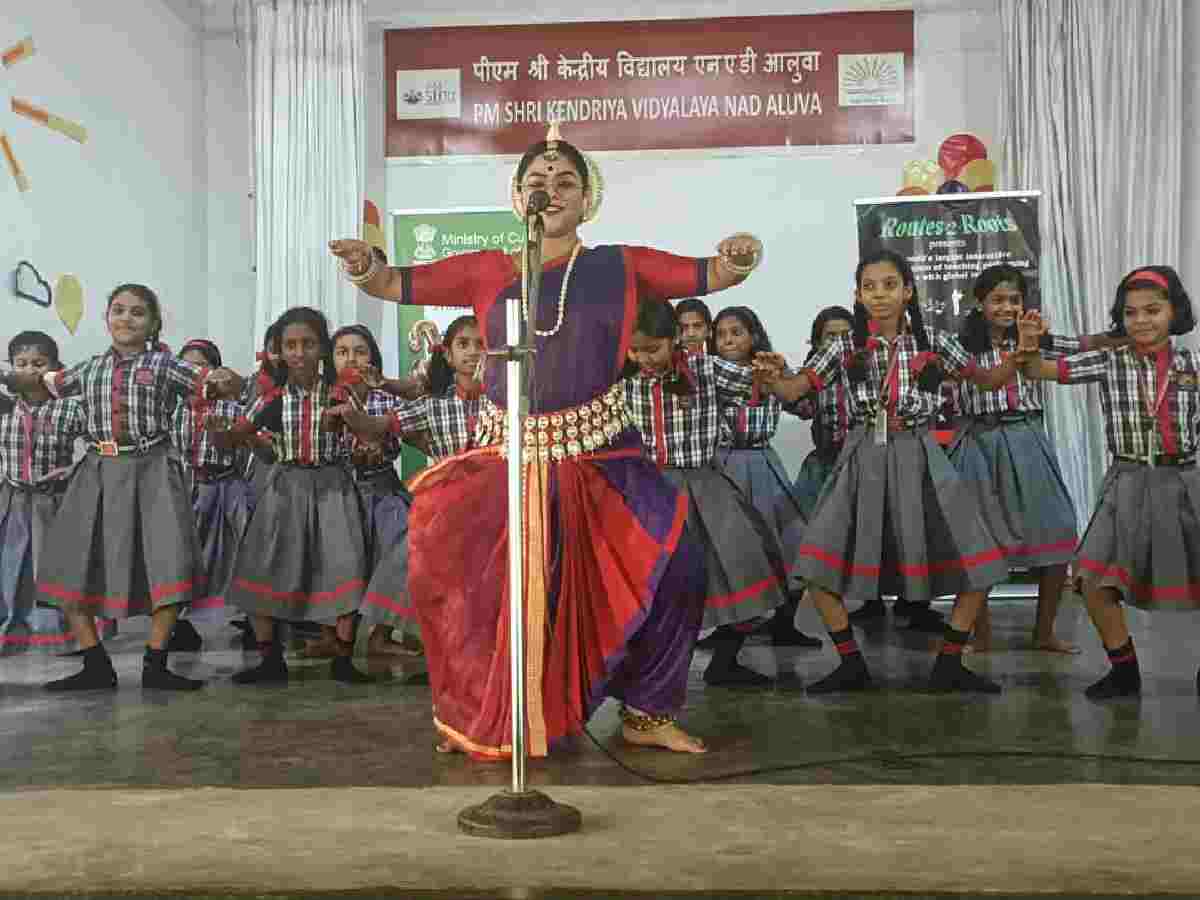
373	226
23	50
28	284
68	301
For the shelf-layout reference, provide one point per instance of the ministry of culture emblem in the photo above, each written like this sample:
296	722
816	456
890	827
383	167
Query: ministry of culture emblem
424	234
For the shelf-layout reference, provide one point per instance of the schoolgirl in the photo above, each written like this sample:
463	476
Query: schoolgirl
125	530
220	494
676	399
37	444
746	456
895	516
1142	545
443	424
695	325
304	556
1002	451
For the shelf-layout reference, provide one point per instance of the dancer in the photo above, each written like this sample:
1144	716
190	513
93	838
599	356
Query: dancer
675	400
304	556
896	512
613	594
746	457
1142	545
37	444
125	533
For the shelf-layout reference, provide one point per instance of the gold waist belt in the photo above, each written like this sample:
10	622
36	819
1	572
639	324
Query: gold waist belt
557	435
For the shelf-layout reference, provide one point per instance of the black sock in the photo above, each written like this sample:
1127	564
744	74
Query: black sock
96	657
954	641
844	643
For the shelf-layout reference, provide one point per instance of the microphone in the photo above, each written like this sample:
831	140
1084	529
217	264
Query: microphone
538	201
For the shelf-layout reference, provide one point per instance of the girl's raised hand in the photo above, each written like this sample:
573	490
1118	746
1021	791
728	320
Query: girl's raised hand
1030	327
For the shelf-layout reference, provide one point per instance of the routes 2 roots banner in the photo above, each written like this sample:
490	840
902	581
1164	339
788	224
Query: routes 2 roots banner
669	84
950	238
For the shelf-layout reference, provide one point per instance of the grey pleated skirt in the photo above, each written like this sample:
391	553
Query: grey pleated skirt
387	601
760	476
897	519
124	540
26	514
304	557
1144	537
743	561
223	509
1014	475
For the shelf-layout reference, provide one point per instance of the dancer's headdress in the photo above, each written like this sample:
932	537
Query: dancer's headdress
551	149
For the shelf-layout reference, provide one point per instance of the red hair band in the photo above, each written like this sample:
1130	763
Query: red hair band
1151	276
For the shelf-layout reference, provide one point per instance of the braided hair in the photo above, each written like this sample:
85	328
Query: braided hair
441	373
931	376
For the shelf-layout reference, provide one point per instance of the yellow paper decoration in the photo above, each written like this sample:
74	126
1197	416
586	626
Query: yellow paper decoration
978	173
68	301
373	235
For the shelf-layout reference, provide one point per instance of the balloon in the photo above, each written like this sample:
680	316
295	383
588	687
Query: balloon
923	173
911	191
953	187
958	150
977	173
68	301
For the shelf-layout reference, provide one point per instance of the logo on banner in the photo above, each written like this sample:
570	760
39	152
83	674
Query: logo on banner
424	234
428	94
870	79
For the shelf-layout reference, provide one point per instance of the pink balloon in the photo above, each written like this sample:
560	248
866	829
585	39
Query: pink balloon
958	150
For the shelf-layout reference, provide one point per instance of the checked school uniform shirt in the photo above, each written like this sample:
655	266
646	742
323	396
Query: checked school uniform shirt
684	431
298	419
129	399
892	380
195	445
37	440
1151	403
1020	395
449	419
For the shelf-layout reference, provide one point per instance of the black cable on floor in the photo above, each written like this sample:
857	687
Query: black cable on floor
893	758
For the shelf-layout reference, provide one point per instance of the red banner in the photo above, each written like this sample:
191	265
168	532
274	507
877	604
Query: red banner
766	81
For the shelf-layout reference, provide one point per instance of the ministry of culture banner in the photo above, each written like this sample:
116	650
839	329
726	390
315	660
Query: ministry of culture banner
669	84
950	239
422	236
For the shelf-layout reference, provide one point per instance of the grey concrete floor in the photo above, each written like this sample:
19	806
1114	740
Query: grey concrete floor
771	750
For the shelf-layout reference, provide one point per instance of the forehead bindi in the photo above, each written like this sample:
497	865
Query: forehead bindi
543	168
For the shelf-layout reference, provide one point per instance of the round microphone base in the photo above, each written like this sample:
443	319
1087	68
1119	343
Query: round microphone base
518	816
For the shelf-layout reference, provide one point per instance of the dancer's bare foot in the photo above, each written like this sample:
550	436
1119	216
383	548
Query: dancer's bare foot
1051	644
380	643
669	737
446	746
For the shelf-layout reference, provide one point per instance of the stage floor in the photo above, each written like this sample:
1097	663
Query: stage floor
830	775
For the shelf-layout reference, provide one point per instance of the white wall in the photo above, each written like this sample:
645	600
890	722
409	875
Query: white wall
129	204
799	201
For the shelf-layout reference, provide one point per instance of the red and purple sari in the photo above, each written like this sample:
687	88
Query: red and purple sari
614	590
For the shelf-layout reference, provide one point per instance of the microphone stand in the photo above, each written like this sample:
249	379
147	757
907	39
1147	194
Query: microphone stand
520	812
